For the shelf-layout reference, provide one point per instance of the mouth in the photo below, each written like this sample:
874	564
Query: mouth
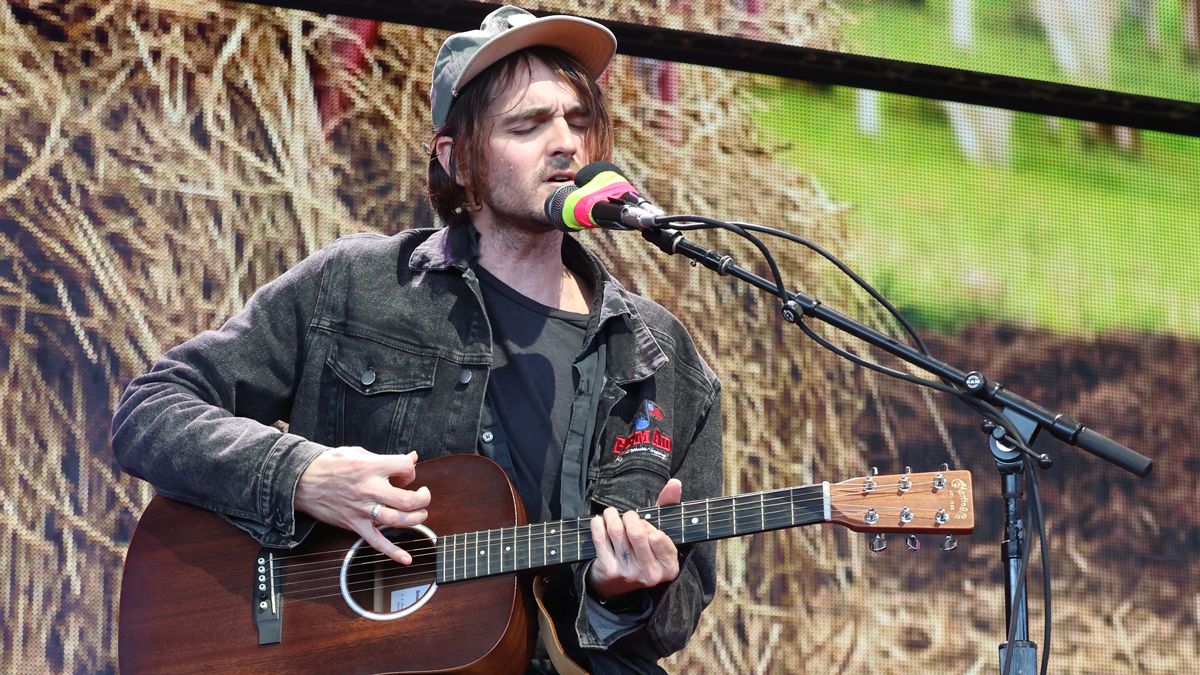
560	177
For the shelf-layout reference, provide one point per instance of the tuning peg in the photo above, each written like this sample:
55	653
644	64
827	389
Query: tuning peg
913	542
878	543
906	480
949	543
869	481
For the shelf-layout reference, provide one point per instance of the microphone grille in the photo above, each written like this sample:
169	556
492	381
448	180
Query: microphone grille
554	206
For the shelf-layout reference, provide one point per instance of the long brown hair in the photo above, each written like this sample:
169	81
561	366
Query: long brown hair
470	121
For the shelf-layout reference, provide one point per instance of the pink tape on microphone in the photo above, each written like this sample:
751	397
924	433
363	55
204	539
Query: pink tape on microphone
583	208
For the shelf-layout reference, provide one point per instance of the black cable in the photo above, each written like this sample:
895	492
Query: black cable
790	236
1047	621
703	223
1034	511
1019	590
873	366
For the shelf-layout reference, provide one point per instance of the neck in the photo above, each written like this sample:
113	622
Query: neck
530	262
478	554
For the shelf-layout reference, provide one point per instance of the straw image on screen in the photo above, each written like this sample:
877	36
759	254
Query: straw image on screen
159	161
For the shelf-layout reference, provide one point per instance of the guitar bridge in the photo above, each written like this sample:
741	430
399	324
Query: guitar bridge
267	599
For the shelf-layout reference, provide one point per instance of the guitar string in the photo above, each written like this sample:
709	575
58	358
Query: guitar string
836	489
780	502
776	493
776	505
427	572
421	562
427	575
545	541
532	538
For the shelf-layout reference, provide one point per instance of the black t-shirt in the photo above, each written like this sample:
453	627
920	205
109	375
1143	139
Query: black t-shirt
531	387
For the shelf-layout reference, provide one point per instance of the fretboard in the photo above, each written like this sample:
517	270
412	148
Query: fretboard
512	549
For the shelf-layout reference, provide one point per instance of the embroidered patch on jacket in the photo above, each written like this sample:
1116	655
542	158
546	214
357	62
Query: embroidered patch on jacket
646	435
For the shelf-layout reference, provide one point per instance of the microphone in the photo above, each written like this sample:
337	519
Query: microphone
601	197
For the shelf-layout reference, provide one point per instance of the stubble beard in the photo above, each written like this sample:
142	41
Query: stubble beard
516	213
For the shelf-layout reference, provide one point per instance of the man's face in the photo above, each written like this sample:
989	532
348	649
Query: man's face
536	146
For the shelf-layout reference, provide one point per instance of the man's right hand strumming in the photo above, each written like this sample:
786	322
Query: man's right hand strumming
356	489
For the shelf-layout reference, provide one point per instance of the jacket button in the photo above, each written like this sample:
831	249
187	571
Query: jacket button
368	377
487	437
464	377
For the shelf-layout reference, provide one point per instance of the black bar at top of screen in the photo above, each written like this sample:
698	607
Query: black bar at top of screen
813	65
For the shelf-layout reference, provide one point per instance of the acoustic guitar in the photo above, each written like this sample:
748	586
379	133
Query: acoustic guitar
200	595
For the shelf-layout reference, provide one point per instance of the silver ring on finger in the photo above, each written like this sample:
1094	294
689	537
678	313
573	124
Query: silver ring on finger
375	513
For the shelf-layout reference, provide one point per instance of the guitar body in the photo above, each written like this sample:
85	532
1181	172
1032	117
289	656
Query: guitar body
188	597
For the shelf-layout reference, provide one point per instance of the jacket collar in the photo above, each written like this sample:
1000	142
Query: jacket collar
635	354
446	247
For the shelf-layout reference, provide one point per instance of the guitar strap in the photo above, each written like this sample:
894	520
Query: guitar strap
562	663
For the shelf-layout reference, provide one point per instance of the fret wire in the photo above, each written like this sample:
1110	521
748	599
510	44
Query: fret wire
439	575
787	499
797	496
773	500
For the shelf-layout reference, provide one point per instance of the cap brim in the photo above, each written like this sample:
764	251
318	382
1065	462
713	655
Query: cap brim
590	43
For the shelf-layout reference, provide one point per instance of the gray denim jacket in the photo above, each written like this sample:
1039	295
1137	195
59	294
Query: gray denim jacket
382	342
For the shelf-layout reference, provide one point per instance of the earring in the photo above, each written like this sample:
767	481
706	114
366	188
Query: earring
469	206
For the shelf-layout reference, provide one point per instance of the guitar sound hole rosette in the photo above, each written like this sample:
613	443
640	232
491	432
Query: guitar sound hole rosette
404	599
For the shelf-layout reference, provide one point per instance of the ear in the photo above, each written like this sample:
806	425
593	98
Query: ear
442	147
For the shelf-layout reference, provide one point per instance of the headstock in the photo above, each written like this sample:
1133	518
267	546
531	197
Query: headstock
934	502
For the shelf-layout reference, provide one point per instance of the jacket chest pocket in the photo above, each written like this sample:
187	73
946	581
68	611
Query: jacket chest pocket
372	394
634	466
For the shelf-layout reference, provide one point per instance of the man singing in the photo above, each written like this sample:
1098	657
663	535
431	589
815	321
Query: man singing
495	335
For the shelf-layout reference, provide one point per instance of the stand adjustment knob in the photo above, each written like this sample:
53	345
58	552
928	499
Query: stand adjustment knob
975	382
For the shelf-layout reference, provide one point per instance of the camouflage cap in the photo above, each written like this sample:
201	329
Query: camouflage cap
463	56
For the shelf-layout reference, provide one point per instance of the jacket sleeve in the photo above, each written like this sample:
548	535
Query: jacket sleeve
660	623
198	426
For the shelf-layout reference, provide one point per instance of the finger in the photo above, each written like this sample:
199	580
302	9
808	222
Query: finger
671	493
405	500
390	517
666	553
637	534
400	469
604	550
384	545
616	533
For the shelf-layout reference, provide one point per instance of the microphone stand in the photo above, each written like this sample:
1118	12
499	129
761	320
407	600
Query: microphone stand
1025	417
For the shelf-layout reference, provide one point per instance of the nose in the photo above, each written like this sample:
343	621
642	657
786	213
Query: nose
565	139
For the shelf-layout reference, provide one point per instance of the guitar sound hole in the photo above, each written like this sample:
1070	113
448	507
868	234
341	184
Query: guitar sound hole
384	587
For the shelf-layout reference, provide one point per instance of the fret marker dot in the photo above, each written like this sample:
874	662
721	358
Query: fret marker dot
695	520
507	548
553	552
482	552
553	531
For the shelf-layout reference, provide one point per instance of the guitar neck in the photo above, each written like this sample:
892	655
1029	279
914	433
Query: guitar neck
513	549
